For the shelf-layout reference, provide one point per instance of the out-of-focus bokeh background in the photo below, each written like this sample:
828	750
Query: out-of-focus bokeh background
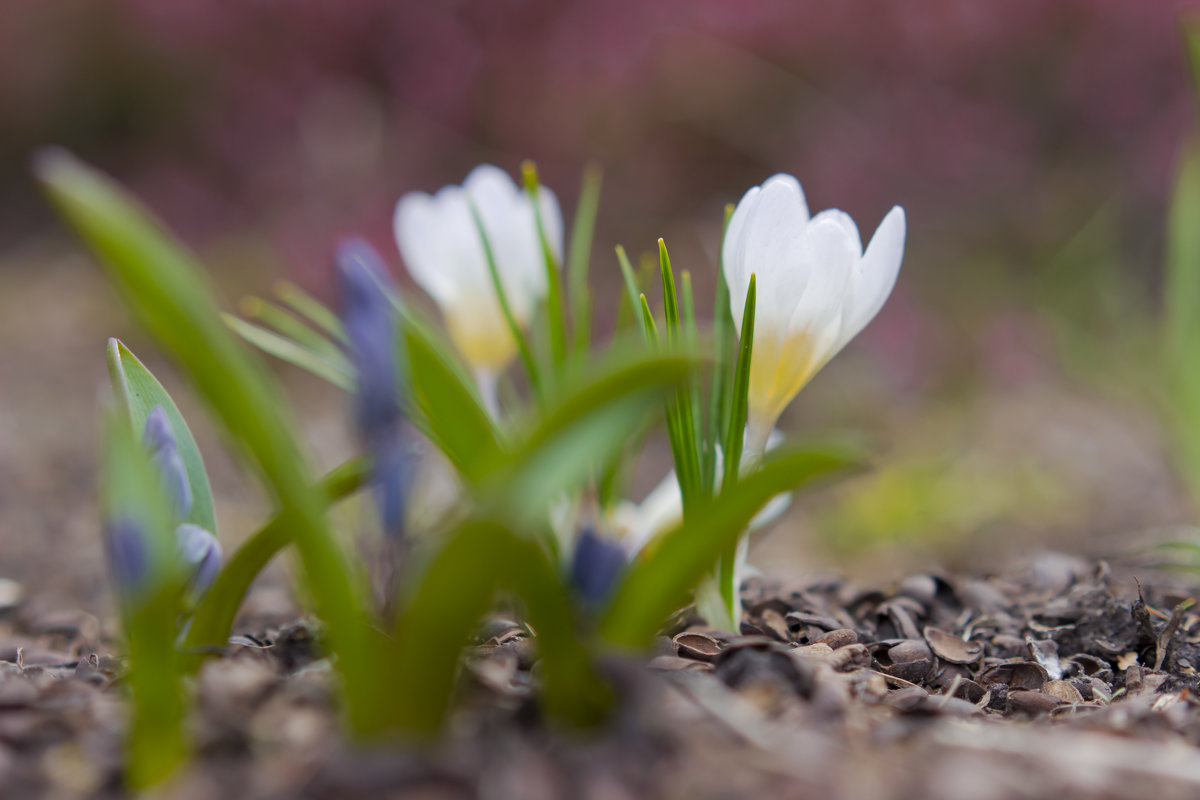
1033	145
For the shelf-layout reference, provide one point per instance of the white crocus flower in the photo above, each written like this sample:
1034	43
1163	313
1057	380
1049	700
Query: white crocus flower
444	253
815	289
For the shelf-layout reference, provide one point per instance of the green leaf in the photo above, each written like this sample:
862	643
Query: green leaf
455	591
526	352
166	290
631	288
580	256
725	350
444	401
336	370
311	309
556	331
659	584
137	392
585	427
681	426
213	618
734	440
288	325
133	492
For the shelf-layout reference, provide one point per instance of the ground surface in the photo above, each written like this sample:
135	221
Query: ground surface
1055	680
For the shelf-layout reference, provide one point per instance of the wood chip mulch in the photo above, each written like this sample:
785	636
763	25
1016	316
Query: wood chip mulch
1058	680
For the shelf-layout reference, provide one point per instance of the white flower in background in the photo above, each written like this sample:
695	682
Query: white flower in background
444	253
815	289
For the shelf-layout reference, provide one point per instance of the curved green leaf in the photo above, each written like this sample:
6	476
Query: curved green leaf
659	584
138	392
168	293
213	618
455	591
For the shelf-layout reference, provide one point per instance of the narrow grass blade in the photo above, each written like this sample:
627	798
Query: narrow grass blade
632	291
734	440
681	425
556	330
580	256
725	351
311	309
336	370
526	352
138	392
659	584
289	326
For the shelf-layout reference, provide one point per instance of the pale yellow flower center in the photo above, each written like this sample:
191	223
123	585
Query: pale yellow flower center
778	371
482	337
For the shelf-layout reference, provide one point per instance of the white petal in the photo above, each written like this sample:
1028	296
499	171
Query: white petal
876	273
507	216
417	224
661	510
843	221
771	248
733	261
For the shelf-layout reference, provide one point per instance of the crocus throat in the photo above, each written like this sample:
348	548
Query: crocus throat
483	339
779	369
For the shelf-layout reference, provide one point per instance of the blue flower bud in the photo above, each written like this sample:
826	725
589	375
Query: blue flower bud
128	558
370	322
369	317
200	555
595	568
164	451
391	472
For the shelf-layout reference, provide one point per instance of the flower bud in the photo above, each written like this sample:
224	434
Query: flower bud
369	317
128	558
595	568
370	321
200	557
164	452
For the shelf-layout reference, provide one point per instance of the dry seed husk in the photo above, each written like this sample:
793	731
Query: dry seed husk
952	648
699	646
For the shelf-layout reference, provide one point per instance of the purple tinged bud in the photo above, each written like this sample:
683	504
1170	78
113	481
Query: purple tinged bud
200	555
128	558
595	568
370	322
164	451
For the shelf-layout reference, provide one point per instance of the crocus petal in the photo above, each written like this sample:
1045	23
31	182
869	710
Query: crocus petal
417	220
876	274
816	288
440	241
